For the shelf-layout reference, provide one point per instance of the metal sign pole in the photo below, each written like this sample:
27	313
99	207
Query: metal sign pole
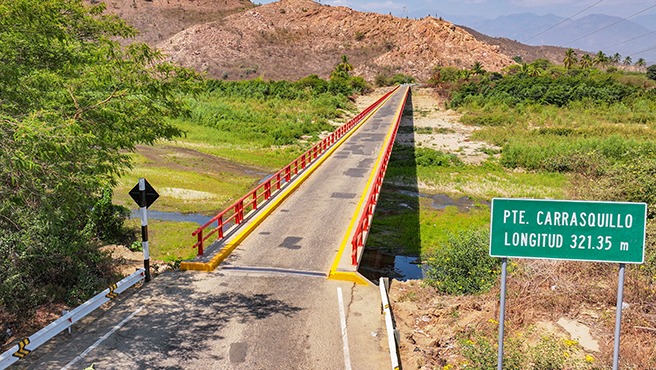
618	316
502	311
144	227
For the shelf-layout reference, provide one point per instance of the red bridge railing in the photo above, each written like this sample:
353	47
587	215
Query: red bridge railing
236	213
364	223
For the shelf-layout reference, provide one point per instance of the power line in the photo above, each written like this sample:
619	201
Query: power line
561	22
643	51
610	25
629	40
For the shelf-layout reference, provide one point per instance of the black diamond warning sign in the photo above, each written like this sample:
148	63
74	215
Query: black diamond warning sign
144	200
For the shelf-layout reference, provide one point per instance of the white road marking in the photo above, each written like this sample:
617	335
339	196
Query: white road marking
93	346
342	320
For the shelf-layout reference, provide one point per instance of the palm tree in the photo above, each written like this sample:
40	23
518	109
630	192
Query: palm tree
627	61
477	68
601	59
641	63
616	58
586	61
570	58
343	68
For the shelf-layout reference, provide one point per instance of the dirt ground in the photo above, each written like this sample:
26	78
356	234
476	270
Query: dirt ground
435	127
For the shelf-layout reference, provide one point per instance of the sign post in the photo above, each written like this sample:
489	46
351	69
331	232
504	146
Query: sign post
568	230
144	195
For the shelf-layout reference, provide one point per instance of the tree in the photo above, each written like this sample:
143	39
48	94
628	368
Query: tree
600	59
477	68
586	61
641	63
627	61
342	69
651	72
570	58
615	59
74	105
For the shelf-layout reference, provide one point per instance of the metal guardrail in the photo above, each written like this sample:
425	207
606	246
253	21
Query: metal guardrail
364	223
236	213
392	333
27	345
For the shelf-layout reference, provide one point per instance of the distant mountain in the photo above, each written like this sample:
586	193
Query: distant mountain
518	27
528	53
647	21
581	33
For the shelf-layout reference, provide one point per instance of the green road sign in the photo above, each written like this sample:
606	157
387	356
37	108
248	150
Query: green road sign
568	230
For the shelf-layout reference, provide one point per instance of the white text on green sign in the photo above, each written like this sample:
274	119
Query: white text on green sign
568	230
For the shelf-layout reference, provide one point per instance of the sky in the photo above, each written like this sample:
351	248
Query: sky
493	8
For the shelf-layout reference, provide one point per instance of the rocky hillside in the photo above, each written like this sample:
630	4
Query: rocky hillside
158	20
291	39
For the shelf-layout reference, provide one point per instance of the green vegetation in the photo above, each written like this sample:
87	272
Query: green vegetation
543	352
584	122
384	79
170	237
74	106
74	103
651	72
462	265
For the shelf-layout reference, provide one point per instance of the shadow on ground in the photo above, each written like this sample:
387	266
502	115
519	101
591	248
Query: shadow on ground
394	243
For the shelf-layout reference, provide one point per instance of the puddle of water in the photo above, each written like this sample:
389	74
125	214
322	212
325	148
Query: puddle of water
375	264
173	216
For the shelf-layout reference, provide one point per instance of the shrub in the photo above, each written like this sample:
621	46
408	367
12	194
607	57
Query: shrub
462	265
651	72
106	220
434	158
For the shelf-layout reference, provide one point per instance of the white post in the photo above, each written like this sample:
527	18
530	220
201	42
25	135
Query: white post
144	228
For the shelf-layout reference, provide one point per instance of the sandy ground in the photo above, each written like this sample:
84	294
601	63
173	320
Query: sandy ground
438	128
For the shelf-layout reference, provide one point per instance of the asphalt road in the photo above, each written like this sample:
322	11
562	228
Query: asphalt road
268	306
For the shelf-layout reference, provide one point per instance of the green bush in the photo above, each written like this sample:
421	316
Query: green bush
107	220
462	265
651	72
384	79
544	89
434	158
480	353
634	181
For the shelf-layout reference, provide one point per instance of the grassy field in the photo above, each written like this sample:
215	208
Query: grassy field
235	134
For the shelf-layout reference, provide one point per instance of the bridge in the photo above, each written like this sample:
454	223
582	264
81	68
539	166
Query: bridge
279	287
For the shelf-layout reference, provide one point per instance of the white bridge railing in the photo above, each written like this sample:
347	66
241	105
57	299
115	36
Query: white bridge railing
29	344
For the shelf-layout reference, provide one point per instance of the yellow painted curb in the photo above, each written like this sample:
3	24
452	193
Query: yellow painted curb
333	274
352	276
250	226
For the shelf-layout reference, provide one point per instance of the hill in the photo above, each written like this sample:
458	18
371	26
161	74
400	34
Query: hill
158	20
291	39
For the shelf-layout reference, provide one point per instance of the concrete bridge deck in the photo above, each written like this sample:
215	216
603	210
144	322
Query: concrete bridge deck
269	305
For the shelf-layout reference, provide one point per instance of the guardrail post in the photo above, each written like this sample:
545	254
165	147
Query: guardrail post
219	225
255	200
200	243
267	189
239	208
